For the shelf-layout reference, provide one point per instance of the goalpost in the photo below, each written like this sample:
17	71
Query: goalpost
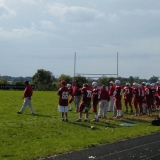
93	75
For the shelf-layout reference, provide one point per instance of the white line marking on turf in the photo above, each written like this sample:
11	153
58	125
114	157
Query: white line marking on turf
127	149
152	156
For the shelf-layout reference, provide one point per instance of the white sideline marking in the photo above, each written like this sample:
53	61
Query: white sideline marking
127	149
152	156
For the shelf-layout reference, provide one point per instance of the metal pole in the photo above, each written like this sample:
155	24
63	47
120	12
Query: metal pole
74	64
117	64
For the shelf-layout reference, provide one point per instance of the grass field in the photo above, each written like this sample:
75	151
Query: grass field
25	137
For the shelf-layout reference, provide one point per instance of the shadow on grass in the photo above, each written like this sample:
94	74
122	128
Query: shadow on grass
132	120
82	124
40	115
96	124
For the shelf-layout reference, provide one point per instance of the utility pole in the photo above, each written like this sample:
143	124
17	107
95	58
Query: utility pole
74	64
117	64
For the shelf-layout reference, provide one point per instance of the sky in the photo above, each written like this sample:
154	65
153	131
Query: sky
47	34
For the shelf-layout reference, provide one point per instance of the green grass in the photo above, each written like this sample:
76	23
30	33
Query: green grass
25	137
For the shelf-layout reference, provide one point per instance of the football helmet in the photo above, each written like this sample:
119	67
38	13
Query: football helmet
148	84
117	82
135	84
94	84
68	85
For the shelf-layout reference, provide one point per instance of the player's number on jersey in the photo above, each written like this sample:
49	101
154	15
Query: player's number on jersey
64	95
89	93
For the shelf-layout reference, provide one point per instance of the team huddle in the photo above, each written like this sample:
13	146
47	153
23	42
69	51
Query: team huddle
142	97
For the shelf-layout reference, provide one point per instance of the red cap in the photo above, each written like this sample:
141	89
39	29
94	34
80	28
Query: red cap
63	82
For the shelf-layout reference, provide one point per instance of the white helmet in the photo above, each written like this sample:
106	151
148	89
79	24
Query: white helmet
68	85
111	82
94	84
153	84
148	84
158	82
117	82
135	84
127	84
143	83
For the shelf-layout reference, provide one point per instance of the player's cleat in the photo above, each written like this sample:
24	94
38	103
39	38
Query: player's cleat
95	120
78	120
66	120
70	109
86	120
62	120
19	112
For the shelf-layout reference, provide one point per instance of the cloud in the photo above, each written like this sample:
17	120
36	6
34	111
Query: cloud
20	33
48	25
6	12
74	13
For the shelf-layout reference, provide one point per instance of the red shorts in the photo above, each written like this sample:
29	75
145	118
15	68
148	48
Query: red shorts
135	104
94	107
82	107
118	104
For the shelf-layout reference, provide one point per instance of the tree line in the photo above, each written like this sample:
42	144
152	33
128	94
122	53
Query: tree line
45	81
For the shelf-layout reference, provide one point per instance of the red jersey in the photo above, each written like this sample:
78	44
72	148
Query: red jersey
95	95
148	93
111	90
86	95
63	93
104	95
118	92
28	91
158	90
70	91
127	92
136	94
76	90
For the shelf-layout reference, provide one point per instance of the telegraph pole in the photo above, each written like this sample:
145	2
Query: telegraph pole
74	64
117	64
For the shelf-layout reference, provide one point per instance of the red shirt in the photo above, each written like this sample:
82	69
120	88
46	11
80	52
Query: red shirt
76	90
86	95
104	95
127	92
111	90
118	92
28	91
135	94
63	96
95	94
70	90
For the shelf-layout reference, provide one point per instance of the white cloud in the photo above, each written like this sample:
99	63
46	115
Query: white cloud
139	12
48	25
74	13
20	33
6	12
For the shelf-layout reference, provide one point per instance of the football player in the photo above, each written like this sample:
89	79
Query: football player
63	100
117	99
104	99
111	91
95	100
128	97
70	89
136	98
86	102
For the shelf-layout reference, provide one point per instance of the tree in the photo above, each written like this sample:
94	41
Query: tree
42	80
3	81
153	79
103	81
81	79
67	78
